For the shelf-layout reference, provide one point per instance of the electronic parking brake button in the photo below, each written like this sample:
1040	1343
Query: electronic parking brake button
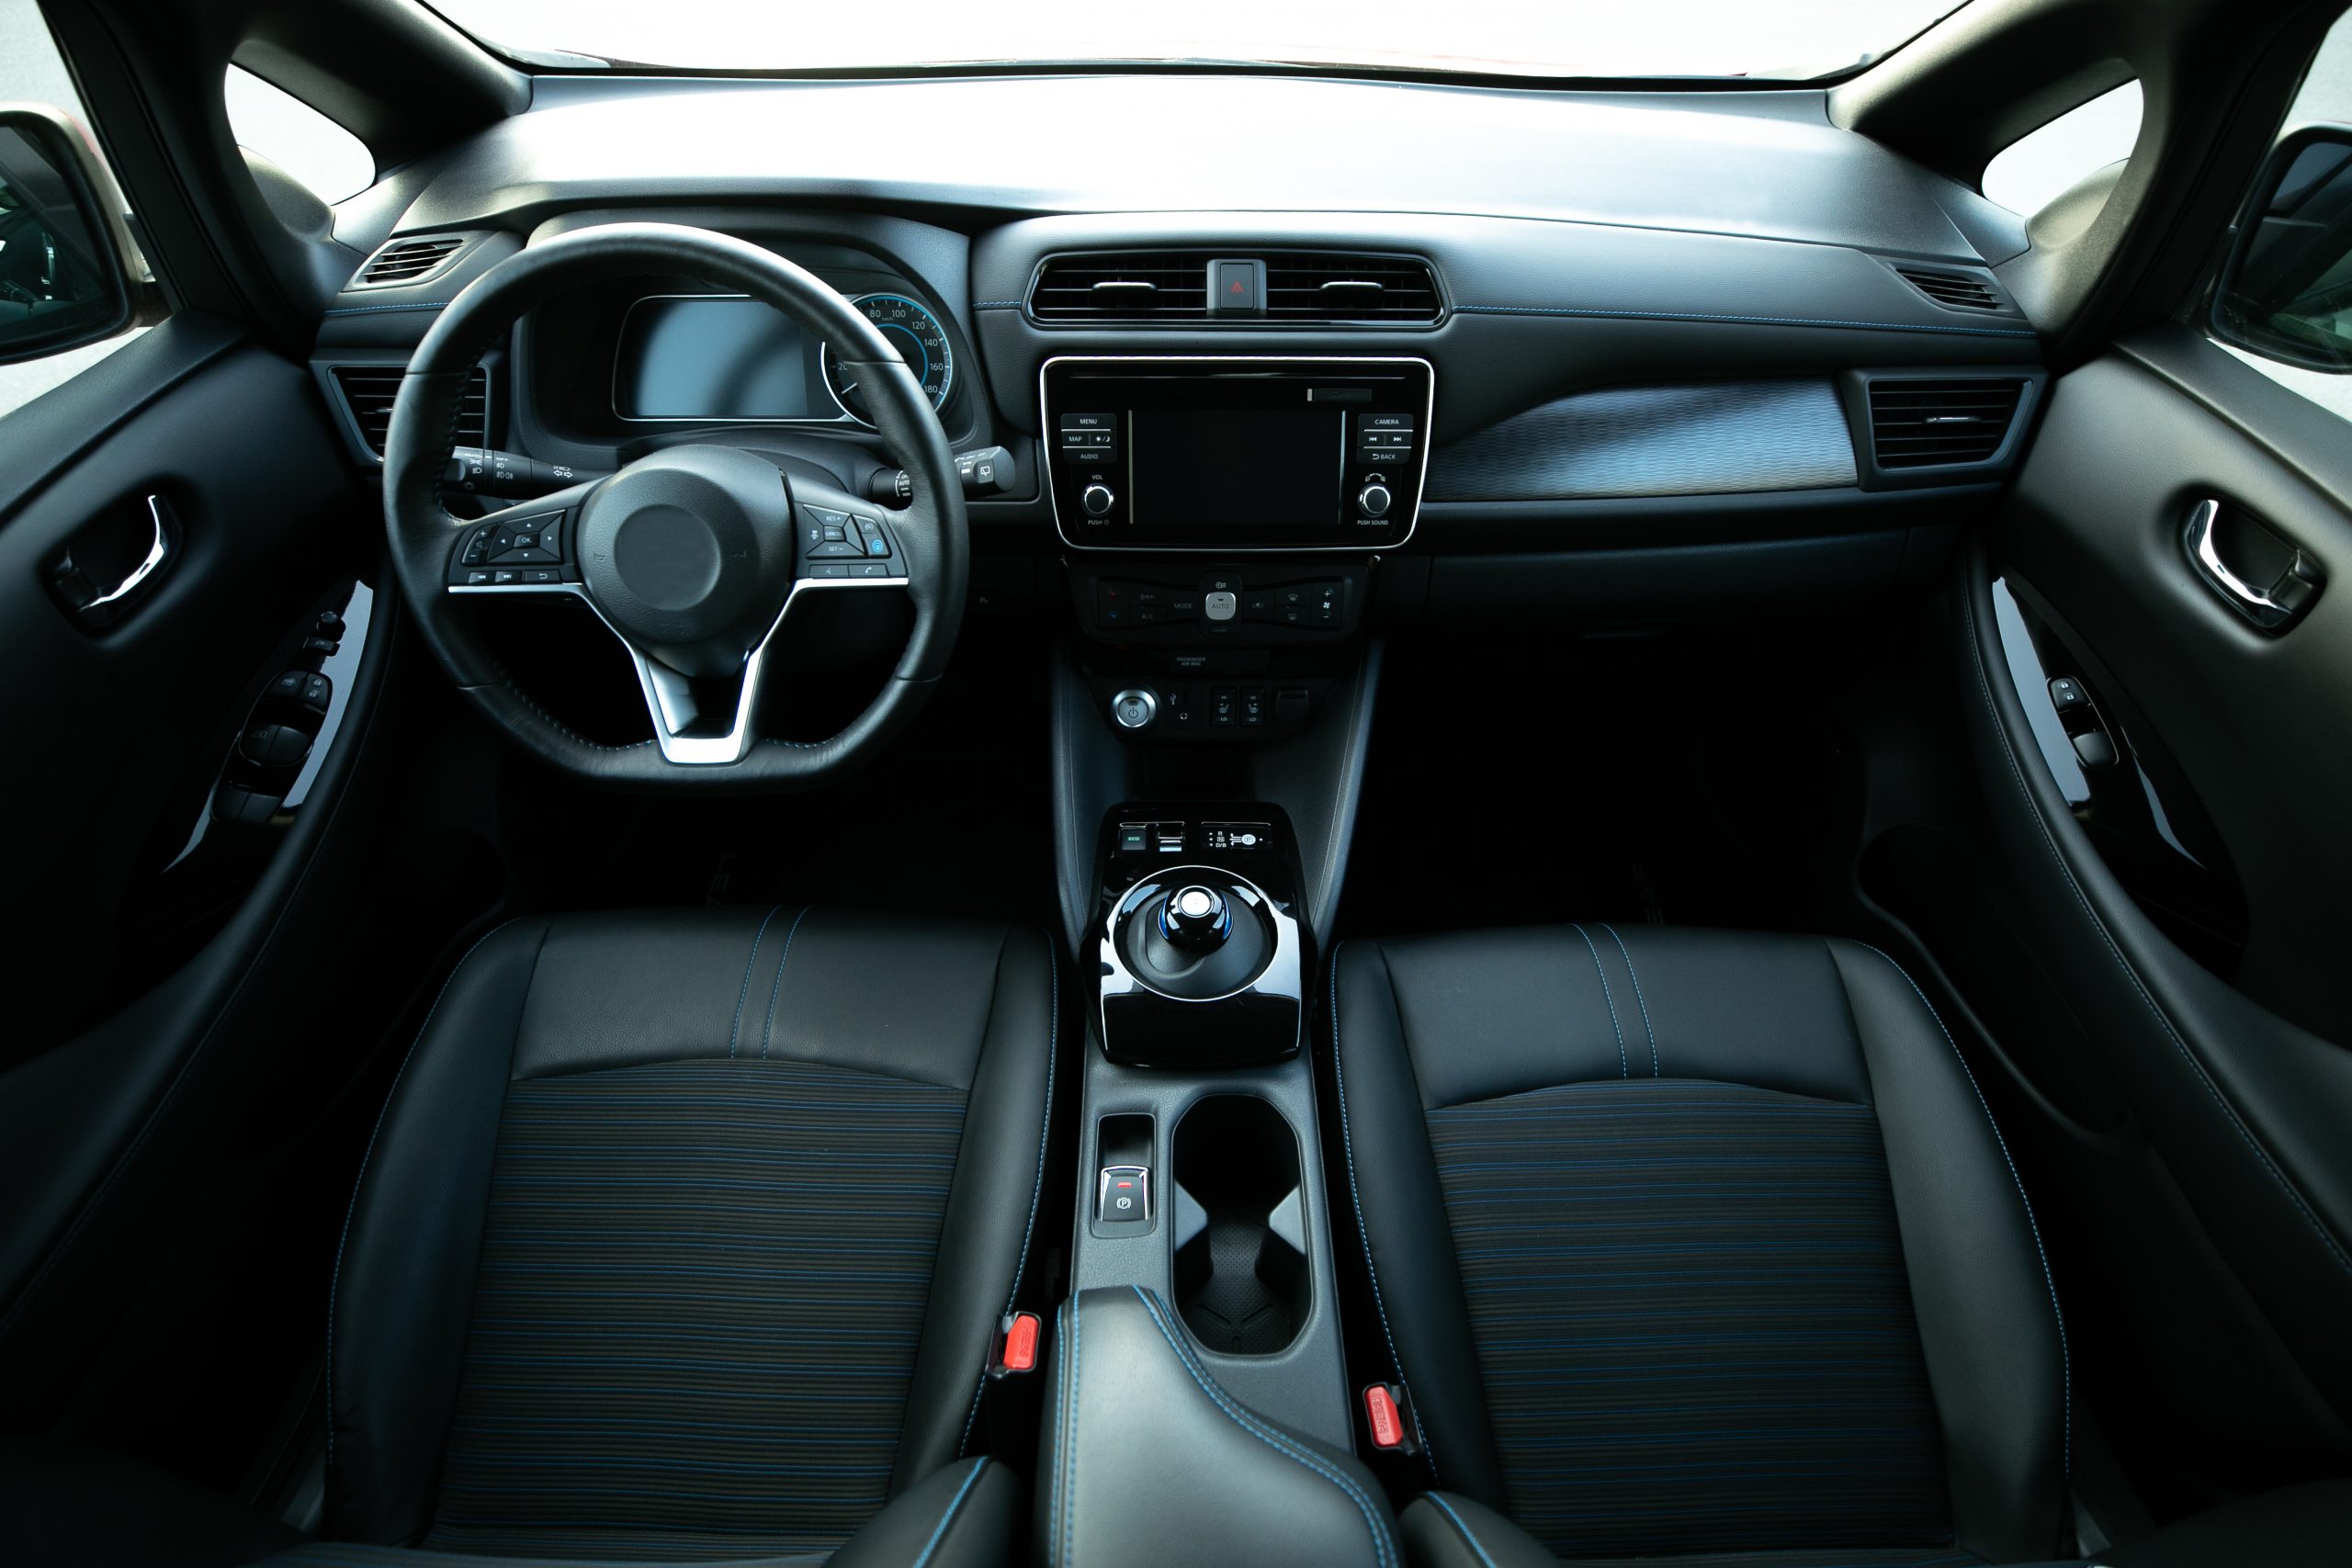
1123	1197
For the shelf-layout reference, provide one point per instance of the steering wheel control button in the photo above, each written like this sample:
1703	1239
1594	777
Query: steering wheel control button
1134	708
1124	1196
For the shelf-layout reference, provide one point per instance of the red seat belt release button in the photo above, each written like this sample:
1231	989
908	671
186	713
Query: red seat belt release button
1019	1351
1387	1422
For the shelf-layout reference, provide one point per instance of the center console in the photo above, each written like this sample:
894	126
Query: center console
1227	518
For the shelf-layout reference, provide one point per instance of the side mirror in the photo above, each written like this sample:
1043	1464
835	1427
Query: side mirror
2286	291
65	277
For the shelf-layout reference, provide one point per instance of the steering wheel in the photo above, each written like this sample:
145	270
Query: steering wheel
692	556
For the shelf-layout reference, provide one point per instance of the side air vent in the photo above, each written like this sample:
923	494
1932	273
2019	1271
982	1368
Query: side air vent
1919	424
1957	289
368	391
1160	285
1308	287
408	261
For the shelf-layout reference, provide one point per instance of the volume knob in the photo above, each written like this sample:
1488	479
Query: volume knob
1097	500
1374	500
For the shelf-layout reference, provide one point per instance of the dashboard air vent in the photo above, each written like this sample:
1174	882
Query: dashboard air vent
1159	285
1917	424
1314	288
368	391
408	261
1957	289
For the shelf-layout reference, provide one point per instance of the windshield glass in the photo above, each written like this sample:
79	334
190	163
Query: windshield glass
1762	39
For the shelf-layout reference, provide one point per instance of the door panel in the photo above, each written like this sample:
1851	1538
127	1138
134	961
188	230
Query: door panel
147	1036
2238	1074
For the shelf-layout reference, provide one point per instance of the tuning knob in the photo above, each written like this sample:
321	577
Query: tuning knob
1196	918
1097	500
1374	500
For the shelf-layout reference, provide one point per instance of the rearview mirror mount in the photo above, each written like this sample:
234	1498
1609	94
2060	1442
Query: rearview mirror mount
65	276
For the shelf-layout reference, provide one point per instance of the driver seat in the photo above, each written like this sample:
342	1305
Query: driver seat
685	1236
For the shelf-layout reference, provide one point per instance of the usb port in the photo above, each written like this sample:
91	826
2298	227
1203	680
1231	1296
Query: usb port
1170	837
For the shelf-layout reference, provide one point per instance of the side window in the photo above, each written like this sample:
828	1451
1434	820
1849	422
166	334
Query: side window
31	72
2283	303
323	158
2042	166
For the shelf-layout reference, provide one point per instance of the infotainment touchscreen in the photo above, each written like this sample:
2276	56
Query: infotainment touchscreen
1235	452
1240	468
716	359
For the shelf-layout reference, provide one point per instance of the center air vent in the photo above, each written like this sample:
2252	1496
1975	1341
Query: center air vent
1917	424
1317	287
408	261
1959	290
368	391
1162	286
1172	285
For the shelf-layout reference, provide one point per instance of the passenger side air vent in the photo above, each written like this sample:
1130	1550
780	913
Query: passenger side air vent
1162	286
1919	424
1957	289
1306	288
408	261
368	390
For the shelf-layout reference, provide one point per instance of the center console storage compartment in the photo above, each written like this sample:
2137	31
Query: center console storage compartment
1242	1285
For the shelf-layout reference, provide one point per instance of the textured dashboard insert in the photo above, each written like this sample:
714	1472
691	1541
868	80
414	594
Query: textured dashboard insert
1717	438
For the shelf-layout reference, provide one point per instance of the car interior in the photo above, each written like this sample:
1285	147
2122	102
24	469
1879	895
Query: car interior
898	805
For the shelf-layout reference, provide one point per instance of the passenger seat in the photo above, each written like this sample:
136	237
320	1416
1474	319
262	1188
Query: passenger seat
1691	1244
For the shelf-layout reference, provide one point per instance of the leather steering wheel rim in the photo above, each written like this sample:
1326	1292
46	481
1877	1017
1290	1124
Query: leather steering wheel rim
931	530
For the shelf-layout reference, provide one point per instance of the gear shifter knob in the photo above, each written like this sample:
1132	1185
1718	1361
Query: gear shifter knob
1195	917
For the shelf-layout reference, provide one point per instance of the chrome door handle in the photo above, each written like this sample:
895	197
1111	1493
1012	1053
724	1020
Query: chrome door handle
2272	608
96	606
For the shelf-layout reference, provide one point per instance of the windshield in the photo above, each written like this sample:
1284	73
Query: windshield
1763	39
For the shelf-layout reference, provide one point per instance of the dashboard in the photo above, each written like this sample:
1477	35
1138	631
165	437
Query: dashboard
1676	349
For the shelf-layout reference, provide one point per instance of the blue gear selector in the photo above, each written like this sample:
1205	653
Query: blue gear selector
1196	918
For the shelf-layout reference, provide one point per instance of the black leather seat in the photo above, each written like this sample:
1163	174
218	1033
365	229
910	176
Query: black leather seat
684	1237
1695	1244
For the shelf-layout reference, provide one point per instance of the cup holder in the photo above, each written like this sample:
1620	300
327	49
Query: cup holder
1242	1285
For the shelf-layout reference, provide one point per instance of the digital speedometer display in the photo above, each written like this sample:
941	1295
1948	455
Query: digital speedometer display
915	333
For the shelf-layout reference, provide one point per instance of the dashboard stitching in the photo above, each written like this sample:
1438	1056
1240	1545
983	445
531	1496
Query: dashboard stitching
1755	321
366	309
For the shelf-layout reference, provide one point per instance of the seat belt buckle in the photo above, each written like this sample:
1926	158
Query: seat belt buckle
1388	1417
1019	1335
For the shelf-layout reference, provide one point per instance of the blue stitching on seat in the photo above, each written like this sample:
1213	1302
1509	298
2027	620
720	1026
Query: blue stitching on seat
1070	1480
364	310
1458	1524
2033	809
1021	1263
1348	1147
778	984
1647	1027
2066	1360
1624	1069
746	990
1382	1547
1750	321
334	1281
949	1517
